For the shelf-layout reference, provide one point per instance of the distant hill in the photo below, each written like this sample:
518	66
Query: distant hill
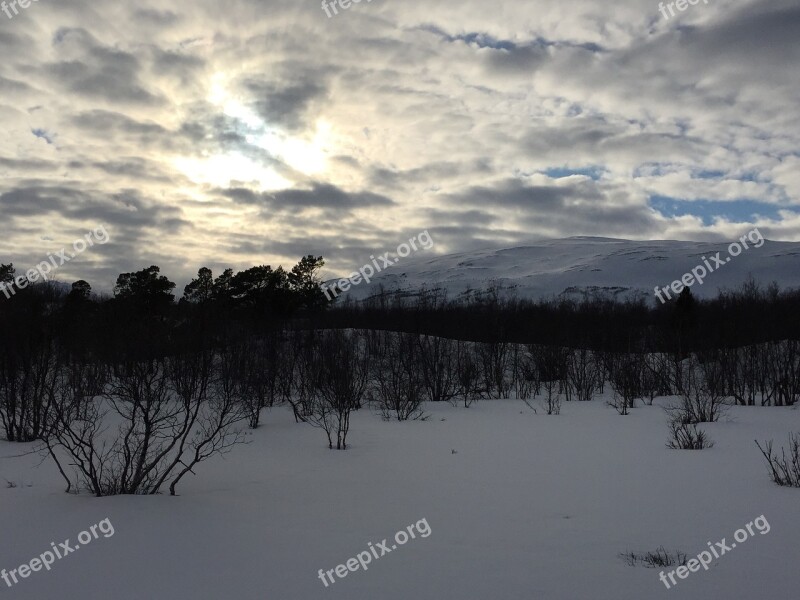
579	265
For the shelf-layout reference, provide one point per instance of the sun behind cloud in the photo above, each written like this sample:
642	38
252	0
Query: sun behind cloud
307	154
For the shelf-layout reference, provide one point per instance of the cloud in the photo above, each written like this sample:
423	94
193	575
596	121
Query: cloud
284	104
265	130
320	195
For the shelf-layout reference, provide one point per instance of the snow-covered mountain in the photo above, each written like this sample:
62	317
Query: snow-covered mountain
574	266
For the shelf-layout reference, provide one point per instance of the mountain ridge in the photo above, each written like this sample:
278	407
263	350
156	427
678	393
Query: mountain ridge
582	265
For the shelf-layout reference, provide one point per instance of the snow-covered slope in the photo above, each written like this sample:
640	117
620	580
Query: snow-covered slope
528	507
576	265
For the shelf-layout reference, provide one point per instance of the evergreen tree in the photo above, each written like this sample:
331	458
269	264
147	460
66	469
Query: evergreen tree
200	290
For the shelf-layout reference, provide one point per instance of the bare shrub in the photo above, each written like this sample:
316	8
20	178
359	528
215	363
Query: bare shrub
258	374
582	374
625	376
495	358
702	394
437	360
170	418
526	379
338	372
657	375
234	372
551	369
210	421
29	368
658	559
785	372
687	437
398	377
468	375
784	470
296	378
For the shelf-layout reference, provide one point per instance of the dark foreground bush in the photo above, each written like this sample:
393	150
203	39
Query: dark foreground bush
784	470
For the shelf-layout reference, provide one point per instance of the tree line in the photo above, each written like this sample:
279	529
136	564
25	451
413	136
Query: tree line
129	393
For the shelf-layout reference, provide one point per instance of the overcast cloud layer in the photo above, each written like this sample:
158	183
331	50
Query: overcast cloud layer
252	132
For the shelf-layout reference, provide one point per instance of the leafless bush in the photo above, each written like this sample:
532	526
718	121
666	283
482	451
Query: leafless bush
765	374
297	366
398	378
702	395
551	369
762	380
582	374
495	358
86	376
210	421
785	374
625	376
233	365
29	368
468	375
784	471
171	414
438	363
551	402
526	378
256	362
688	437
656	376
660	558
338	372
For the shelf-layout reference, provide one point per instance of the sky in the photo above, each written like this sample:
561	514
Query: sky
244	132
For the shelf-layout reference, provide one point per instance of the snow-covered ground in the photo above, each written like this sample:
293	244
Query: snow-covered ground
528	506
613	267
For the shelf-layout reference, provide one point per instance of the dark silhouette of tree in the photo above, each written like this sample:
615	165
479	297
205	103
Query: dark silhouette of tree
261	290
221	290
6	279
76	324
685	305
81	290
200	290
305	284
145	289
6	273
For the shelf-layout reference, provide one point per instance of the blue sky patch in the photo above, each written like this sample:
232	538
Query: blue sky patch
734	210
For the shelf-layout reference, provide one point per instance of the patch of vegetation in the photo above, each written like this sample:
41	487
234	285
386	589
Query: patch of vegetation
659	559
